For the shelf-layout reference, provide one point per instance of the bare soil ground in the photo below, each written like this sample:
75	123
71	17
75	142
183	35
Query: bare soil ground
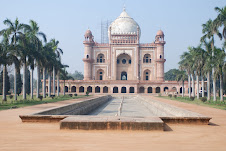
15	135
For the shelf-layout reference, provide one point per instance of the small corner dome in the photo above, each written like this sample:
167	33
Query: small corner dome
88	33
124	24
160	33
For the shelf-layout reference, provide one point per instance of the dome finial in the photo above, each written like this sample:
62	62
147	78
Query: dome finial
124	7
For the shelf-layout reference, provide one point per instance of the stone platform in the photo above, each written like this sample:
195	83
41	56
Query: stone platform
111	123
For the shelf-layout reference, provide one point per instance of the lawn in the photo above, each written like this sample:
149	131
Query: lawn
214	104
11	103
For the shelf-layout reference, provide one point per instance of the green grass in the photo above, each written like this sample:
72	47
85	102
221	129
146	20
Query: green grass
11	103
214	104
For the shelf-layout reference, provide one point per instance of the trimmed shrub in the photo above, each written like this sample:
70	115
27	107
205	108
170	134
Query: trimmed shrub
204	99
170	95
10	96
175	96
75	94
52	96
192	98
40	97
87	93
70	95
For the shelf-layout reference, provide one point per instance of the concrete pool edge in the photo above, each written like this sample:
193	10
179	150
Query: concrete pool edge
127	123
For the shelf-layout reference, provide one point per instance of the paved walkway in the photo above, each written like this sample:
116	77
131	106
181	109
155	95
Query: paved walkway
15	135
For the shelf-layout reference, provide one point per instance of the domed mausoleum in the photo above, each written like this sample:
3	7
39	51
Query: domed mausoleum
123	65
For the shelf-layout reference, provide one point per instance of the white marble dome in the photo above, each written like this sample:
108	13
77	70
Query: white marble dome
124	24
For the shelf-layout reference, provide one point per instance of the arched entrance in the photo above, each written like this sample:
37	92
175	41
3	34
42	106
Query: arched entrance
73	89
166	89
123	90
123	75
81	89
97	89
131	90
115	90
100	74
149	89
141	89
89	89
124	67
158	90
66	89
105	89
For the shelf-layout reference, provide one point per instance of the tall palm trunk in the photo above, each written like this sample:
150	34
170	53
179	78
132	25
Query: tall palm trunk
189	85
4	83
221	88
15	84
54	86
203	86
183	88
58	87
38	81
31	82
197	80
64	87
44	83
208	86
193	85
214	79
24	80
49	83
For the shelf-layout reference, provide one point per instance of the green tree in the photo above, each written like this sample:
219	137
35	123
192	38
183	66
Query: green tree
181	76
209	30
79	76
33	33
219	65
169	75
221	19
14	30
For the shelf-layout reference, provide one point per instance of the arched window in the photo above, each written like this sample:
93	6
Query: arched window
129	61
118	61
160	56
100	74
146	75
100	58
147	58
87	56
124	61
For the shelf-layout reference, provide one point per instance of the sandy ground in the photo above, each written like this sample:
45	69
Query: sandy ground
15	135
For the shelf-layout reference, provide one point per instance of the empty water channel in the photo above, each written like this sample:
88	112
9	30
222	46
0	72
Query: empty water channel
130	112
123	106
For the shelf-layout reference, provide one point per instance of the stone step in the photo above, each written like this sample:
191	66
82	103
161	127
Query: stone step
83	122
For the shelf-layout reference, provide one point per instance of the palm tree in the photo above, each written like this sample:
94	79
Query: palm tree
58	52
219	64
64	76
5	58
186	64
34	34
207	65
209	29
15	29
221	19
181	76
199	60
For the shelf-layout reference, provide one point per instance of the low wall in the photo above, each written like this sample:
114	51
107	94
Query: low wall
78	108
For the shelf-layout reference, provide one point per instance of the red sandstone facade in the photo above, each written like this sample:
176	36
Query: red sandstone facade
123	65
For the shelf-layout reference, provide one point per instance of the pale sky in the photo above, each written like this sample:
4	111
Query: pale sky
67	21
